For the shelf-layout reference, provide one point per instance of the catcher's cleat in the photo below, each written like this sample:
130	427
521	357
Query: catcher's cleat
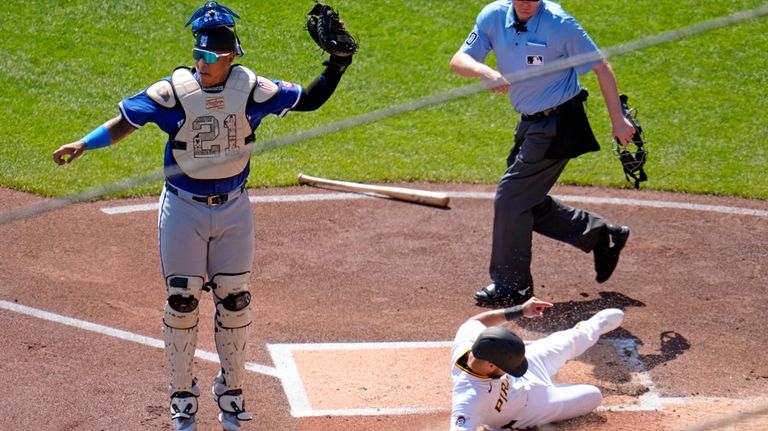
607	251
497	296
185	424
231	404
229	422
184	408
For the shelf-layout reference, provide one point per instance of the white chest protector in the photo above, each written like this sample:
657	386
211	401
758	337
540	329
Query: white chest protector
215	140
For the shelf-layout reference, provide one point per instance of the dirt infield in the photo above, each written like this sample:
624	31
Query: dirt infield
356	297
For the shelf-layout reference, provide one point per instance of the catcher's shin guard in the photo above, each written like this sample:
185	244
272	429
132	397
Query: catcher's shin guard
233	317
180	329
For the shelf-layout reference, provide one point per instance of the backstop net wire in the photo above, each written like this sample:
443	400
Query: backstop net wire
374	116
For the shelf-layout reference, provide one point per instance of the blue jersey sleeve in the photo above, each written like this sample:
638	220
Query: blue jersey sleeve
286	97
140	109
289	96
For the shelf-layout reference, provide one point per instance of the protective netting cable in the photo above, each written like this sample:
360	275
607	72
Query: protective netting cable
392	111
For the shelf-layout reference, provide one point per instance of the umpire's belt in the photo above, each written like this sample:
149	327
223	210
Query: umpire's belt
540	115
210	200
552	111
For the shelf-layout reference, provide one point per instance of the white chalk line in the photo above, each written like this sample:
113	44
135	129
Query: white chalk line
647	203
286	370
120	334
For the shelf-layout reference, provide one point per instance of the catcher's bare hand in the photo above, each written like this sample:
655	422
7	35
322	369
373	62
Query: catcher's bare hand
66	153
535	307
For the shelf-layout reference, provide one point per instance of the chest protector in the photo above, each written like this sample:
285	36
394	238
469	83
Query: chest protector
216	138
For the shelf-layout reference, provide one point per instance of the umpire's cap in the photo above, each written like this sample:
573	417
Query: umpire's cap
503	348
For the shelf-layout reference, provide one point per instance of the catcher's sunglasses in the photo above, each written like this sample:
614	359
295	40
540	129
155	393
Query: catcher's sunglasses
209	57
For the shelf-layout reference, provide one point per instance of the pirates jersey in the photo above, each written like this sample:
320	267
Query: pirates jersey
479	401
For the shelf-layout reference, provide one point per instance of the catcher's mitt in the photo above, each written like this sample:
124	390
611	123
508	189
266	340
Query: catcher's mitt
632	163
328	32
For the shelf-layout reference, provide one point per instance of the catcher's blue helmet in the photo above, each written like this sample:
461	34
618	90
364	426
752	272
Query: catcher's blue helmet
211	15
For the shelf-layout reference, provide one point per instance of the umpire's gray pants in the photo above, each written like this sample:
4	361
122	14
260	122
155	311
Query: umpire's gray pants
522	206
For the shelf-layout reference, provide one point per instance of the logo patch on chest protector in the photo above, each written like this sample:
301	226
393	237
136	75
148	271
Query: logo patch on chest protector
214	103
265	89
164	94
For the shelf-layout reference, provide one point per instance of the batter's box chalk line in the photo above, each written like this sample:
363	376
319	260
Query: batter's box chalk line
301	406
285	361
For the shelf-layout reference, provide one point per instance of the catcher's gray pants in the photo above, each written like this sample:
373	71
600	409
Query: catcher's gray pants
198	240
522	206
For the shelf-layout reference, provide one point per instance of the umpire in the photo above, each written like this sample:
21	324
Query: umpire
525	35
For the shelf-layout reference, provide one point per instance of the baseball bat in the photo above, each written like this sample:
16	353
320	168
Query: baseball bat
436	199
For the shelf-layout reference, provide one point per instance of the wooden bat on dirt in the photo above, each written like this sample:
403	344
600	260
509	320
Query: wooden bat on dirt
424	197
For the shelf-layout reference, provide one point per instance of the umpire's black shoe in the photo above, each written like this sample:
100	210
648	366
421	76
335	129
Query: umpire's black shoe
493	296
607	250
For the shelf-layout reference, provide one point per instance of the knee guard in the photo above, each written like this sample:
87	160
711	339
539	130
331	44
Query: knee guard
233	316
232	300
181	306
180	329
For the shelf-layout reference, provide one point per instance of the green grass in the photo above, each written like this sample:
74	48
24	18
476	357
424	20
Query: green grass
66	64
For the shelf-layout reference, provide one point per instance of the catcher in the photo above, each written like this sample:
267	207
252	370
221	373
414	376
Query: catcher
206	231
